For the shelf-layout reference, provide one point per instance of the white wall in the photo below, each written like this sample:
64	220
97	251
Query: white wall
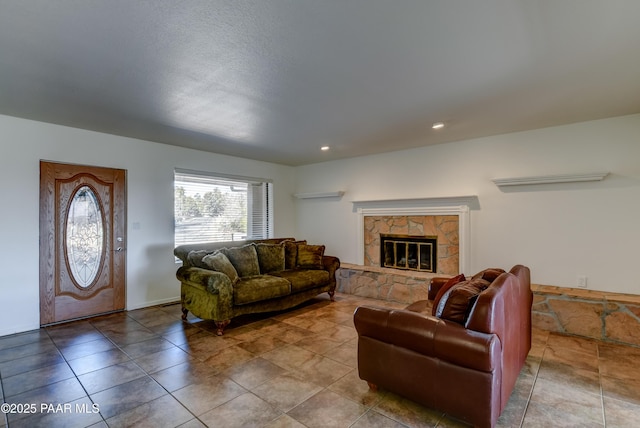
150	262
560	231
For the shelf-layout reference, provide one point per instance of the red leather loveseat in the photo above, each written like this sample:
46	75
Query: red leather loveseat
461	355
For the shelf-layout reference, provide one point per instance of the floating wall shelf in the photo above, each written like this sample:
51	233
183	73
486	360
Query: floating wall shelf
549	179
316	195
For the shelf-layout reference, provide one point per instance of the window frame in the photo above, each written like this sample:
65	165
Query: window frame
263	186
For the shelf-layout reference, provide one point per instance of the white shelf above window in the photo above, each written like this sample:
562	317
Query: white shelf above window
317	195
549	179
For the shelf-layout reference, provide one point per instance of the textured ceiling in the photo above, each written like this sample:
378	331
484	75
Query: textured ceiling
276	79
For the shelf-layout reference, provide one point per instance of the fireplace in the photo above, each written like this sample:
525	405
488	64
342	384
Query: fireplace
418	253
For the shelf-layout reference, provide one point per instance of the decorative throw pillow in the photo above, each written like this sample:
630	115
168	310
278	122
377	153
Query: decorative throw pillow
270	257
291	253
194	258
489	274
310	256
435	310
460	299
244	259
219	262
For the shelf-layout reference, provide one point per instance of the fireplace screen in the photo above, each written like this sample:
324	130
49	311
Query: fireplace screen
409	252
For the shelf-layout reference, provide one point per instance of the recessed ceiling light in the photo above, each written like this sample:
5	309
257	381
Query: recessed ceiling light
438	125
325	148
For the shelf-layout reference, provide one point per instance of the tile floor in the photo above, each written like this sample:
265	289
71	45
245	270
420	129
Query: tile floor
292	369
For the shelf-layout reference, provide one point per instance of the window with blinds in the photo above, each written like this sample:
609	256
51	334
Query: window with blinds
214	208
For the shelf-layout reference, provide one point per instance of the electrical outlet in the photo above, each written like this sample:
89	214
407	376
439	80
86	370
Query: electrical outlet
582	281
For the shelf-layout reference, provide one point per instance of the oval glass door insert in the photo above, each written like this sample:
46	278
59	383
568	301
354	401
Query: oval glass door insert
85	236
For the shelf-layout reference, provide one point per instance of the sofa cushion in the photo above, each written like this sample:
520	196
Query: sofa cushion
310	256
244	259
436	310
270	257
194	258
291	253
460	298
259	288
489	274
219	262
304	279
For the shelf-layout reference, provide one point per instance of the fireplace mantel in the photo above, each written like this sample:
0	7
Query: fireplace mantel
471	201
458	205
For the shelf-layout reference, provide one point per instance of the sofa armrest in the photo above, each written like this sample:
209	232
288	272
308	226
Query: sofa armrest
429	336
214	282
331	264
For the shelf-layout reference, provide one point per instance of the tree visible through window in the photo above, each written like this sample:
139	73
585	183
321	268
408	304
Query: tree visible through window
212	208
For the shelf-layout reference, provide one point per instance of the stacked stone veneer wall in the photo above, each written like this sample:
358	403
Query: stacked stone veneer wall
444	227
603	316
383	283
598	315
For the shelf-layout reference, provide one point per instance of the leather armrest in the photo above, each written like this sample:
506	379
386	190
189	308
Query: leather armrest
214	282
429	336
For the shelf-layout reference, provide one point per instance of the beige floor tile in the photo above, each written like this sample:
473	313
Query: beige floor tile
208	394
373	419
352	387
621	413
513	414
407	412
574	376
284	421
127	396
322	370
318	344
262	344
98	361
553	401
228	358
286	391
347	353
289	357
244	411
165	411
327	409
181	375
253	373
574	343
111	376
621	389
209	344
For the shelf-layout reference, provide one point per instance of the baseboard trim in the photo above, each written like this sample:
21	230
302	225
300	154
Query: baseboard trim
154	303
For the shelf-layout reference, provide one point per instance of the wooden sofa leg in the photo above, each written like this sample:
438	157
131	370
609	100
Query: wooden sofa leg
185	311
332	294
220	326
372	386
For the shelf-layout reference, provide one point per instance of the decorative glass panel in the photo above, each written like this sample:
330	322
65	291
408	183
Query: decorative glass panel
84	239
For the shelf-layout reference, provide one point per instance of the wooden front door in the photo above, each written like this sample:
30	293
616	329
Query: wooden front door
82	241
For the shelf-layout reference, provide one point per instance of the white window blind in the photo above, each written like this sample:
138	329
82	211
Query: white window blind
214	208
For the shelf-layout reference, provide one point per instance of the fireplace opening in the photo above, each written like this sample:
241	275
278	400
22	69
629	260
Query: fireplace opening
409	252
